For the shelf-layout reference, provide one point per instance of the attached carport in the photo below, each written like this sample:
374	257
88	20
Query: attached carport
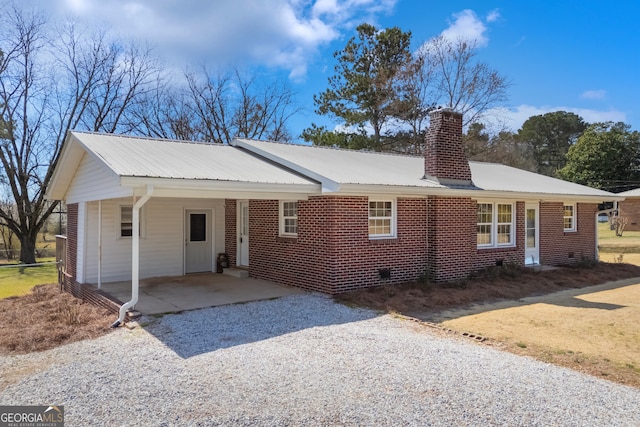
97	172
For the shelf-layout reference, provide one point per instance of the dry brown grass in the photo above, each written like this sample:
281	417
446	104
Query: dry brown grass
594	330
593	333
47	318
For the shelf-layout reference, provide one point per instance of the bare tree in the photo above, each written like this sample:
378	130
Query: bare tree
229	105
164	112
461	82
216	107
47	87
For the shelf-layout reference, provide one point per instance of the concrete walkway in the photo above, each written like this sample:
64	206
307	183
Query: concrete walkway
173	294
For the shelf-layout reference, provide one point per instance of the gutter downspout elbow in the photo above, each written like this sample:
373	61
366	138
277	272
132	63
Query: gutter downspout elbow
135	256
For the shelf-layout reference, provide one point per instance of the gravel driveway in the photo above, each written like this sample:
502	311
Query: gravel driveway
304	360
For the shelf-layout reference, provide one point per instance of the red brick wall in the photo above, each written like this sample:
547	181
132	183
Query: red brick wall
558	247
451	228
230	234
630	208
333	252
444	156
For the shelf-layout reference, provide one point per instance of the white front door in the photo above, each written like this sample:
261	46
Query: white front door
243	234
532	235
198	245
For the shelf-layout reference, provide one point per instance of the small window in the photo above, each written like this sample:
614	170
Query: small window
126	221
485	223
381	218
569	217
288	218
505	222
495	225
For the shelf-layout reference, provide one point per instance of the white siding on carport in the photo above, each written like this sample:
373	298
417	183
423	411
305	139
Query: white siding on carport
161	244
94	181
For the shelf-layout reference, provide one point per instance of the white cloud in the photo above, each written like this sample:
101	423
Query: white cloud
594	94
280	33
493	16
513	118
467	26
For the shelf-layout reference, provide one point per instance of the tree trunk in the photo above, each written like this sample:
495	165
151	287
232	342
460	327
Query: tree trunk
28	249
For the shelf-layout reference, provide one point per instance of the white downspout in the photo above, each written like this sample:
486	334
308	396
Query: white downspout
135	256
99	244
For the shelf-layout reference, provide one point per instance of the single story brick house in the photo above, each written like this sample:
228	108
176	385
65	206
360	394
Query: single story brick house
322	219
630	208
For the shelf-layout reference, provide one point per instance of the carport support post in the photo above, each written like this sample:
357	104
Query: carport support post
99	244
135	256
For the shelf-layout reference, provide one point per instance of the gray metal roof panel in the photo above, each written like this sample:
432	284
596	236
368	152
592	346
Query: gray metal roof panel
350	166
630	193
497	177
156	158
373	168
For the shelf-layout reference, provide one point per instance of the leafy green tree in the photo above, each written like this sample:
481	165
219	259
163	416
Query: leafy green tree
606	156
549	137
320	135
476	141
365	91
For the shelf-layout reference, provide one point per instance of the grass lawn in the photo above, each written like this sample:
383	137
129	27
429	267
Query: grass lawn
609	242
16	281
594	331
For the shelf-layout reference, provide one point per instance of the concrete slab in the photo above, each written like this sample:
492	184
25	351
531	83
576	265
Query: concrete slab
170	294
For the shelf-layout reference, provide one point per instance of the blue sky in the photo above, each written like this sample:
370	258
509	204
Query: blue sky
579	56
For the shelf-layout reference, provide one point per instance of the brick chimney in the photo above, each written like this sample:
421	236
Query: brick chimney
444	158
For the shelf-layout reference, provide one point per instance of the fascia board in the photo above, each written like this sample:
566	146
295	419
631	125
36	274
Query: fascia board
226	186
359	189
70	157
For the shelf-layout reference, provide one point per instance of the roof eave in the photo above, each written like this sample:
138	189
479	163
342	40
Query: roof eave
175	187
478	193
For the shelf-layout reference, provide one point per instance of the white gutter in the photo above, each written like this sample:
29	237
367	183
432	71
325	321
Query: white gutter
135	256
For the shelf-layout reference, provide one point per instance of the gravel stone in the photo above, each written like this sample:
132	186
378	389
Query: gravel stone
304	360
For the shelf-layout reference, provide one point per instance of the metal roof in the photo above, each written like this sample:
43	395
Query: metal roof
497	177
290	166
630	193
371	168
345	166
156	158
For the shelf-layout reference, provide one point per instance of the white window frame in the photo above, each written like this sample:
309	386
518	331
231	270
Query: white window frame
283	219
393	218
495	224
573	227
119	223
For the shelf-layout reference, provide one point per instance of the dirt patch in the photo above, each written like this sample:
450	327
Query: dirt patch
593	330
47	318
